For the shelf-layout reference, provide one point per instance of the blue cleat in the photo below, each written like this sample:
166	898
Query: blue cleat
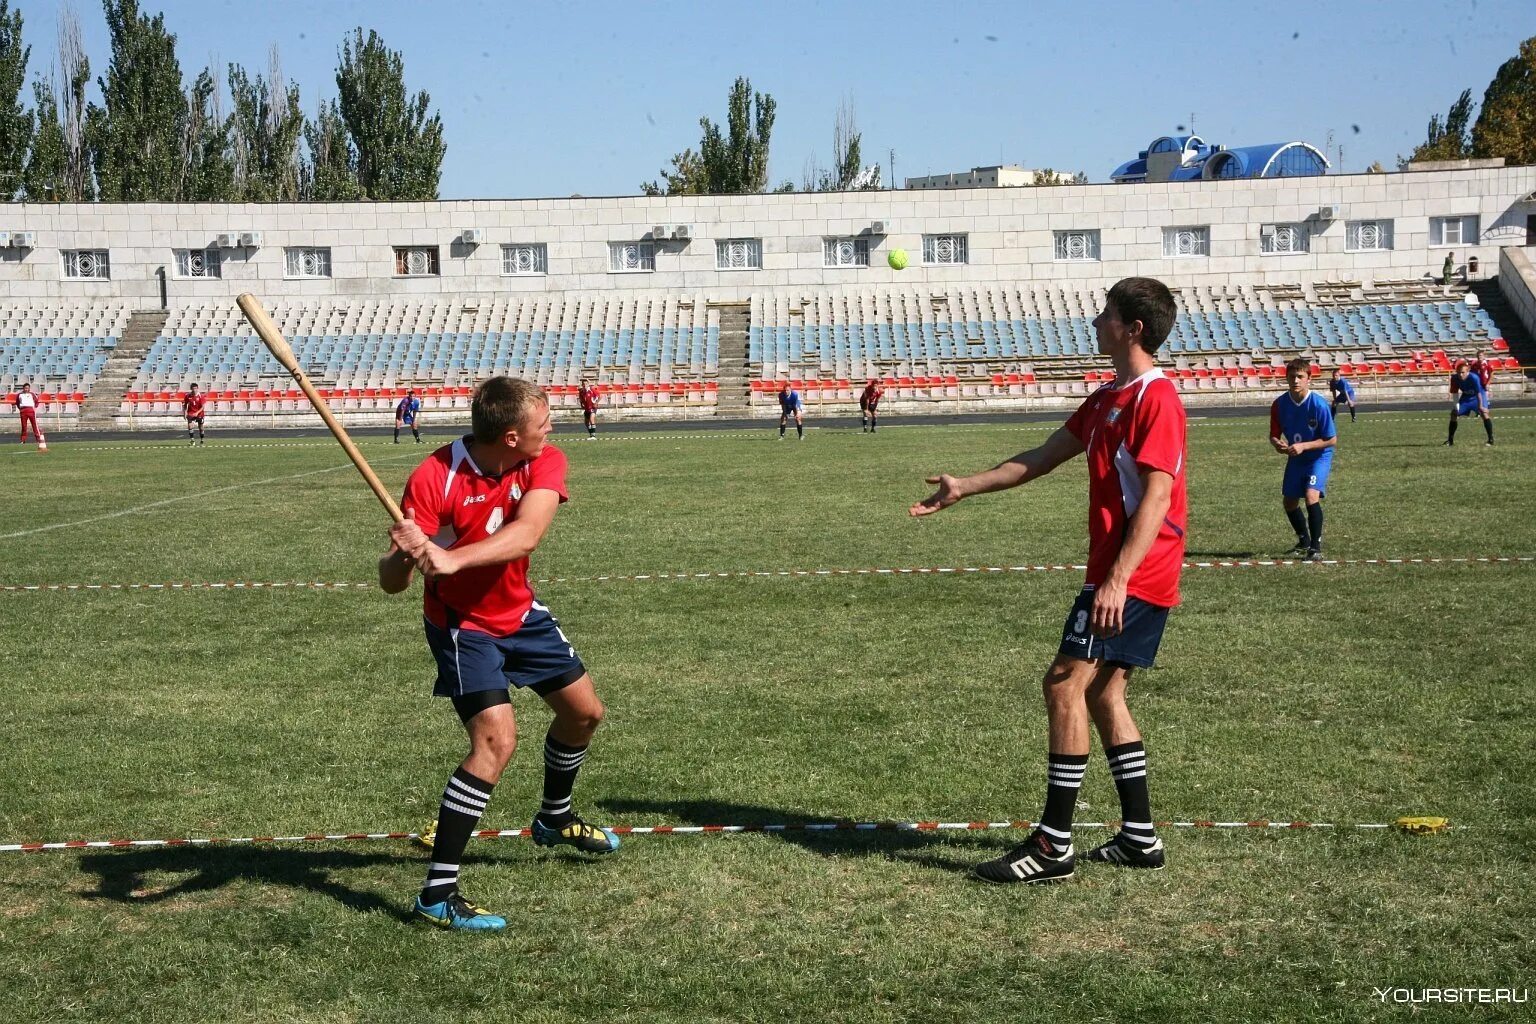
577	833
457	914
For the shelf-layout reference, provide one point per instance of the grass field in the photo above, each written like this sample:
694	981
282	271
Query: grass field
1339	693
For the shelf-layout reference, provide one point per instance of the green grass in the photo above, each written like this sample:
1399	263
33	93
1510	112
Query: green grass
1346	693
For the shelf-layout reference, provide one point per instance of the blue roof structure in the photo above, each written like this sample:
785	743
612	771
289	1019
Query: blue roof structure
1191	158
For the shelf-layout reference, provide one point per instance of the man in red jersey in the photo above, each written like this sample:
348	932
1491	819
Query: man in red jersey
1484	370
1132	430
586	394
869	401
26	407
192	407
475	510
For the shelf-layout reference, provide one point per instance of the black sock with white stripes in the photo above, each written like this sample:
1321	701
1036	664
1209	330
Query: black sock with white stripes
464	801
1128	765
1064	777
561	763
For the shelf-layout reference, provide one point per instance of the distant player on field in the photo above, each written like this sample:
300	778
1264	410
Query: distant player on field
476	509
193	405
1484	371
408	413
1468	396
1301	428
790	405
26	407
1342	391
1132	430
869	402
587	395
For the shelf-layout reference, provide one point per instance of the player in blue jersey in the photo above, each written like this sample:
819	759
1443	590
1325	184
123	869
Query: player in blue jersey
1301	428
1343	391
790	405
1468	395
407	412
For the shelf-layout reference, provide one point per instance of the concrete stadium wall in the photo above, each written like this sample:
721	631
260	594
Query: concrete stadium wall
1010	237
1517	283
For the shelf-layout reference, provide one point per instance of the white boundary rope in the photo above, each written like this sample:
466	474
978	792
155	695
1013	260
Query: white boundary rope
1405	824
964	570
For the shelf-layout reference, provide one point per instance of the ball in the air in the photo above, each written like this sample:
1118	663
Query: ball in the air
897	259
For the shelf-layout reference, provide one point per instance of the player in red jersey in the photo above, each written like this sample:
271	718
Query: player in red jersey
1484	370
587	395
1132	430
869	401
192	404
26	407
476	509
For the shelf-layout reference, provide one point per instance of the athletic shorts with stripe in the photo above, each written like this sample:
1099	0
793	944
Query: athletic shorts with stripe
537	657
1140	635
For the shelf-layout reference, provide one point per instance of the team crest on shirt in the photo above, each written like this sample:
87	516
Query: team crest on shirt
1312	422
517	493
1114	414
494	523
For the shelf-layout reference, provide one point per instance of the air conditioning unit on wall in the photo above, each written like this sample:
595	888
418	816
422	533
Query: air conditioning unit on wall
251	239
24	239
683	232
228	240
660	232
472	236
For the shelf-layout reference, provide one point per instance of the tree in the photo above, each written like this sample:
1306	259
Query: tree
399	147
848	172
328	173
59	167
15	119
1046	176
1376	168
731	162
208	165
136	138
42	178
1506	124
1447	140
267	125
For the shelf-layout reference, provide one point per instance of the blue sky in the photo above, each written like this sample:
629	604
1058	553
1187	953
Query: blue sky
593	98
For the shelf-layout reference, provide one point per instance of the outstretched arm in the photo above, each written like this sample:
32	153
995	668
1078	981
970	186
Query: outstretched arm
1022	468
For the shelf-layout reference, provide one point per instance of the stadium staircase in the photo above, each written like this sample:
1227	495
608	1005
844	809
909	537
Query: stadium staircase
1521	345
118	375
733	374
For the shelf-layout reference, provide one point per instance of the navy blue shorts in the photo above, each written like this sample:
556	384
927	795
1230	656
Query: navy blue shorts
537	656
1140	636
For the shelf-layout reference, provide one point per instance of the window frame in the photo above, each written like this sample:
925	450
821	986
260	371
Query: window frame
1385	230
1301	231
960	240
1437	226
213	263
754	249
509	251
831	243
1172	233
646	250
1059	240
403	260
102	258
293	262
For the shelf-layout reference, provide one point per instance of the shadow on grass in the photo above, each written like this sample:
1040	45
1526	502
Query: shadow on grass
1220	554
126	876
921	848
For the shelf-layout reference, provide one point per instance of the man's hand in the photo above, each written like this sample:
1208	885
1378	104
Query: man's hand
948	493
434	561
1280	445
1108	609
407	536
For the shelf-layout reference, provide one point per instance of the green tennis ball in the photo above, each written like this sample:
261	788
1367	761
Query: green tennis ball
897	259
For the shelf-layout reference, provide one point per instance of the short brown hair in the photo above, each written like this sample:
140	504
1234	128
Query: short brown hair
1298	365
1148	300
502	404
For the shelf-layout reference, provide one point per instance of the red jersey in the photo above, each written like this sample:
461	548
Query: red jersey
455	504
1125	430
1484	370
588	398
193	404
871	396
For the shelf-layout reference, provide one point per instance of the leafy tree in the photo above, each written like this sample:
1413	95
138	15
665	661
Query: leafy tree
209	167
328	173
1376	168
136	138
1047	176
15	119
267	125
1506	124
1447	139
848	172
43	176
399	146
58	168
731	162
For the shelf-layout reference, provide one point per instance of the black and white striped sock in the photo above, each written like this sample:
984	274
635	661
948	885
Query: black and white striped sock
464	801
561	763
1128	765
1064	777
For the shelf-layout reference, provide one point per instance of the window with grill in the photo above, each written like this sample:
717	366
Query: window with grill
1368	235
845	252
1284	239
87	265
739	254
524	259
632	257
197	263
1076	246
416	261
307	261
1187	241
944	250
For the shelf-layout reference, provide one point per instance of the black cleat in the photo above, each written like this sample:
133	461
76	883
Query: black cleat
1033	862
1314	554
1123	853
1300	549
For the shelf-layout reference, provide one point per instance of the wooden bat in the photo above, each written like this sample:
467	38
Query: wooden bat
273	339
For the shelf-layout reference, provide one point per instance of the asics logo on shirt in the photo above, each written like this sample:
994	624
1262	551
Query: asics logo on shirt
474	499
